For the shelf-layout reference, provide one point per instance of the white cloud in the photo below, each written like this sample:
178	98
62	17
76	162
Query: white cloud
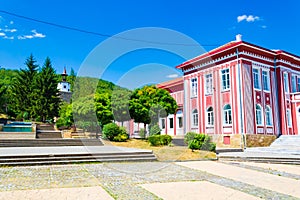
249	18
172	76
34	35
10	30
9	38
11	22
38	35
264	26
2	34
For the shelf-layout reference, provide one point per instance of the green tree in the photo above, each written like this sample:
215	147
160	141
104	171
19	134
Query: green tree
71	79
103	108
47	102
65	115
149	103
120	104
23	88
2	99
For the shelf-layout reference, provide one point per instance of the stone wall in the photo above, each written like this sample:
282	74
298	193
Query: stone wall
257	140
228	140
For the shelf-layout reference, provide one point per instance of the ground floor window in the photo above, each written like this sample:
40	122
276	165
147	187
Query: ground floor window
210	116
171	122
268	116
227	118
163	123
258	111
195	118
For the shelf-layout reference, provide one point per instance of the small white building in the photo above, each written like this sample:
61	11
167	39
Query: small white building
64	87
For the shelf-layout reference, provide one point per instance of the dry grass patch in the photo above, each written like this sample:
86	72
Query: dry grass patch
166	153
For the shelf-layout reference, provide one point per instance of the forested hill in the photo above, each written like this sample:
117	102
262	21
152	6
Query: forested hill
83	86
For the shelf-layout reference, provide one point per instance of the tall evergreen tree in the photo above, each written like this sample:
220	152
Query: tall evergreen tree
47	102
23	89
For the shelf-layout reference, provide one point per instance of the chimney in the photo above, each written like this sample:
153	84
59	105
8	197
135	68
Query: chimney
238	38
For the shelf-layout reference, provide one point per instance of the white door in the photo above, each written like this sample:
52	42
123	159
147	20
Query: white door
298	119
179	123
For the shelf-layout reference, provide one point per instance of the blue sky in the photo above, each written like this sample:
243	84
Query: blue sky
271	24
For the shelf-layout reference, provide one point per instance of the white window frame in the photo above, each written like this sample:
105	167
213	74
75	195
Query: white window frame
227	115
266	80
256	78
286	82
225	79
289	118
210	116
194	87
194	118
269	117
259	115
208	84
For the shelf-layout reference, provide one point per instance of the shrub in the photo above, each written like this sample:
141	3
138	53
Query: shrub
142	133
154	130
201	141
157	140
115	133
122	136
189	137
110	131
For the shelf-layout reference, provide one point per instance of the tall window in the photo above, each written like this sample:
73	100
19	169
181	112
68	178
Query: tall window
225	79
227	115
194	87
298	84
171	122
258	115
294	83
163	123
208	84
256	78
210	116
286	82
268	116
195	118
289	117
266	80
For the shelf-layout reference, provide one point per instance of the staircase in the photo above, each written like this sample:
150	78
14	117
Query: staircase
46	131
285	150
68	158
49	142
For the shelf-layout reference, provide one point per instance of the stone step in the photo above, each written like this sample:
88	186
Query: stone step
295	161
49	142
76	158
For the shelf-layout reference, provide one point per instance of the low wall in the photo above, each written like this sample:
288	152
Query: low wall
227	140
77	134
238	140
256	140
17	135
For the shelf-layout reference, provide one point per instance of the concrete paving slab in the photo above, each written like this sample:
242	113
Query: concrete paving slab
16	151
83	193
195	190
292	169
272	182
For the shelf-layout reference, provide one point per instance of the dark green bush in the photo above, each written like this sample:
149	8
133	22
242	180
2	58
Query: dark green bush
110	131
201	141
189	137
122	136
154	130
158	140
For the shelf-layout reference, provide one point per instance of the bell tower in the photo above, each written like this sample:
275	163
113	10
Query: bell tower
64	87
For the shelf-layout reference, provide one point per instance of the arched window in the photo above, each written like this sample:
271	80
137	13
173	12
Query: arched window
268	116
259	113
227	115
195	118
210	116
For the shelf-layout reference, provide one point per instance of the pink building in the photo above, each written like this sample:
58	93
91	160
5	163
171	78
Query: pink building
237	88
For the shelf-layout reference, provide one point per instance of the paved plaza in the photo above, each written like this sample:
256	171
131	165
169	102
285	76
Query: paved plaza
152	180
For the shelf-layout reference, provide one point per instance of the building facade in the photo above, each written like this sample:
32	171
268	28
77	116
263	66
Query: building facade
64	88
238	88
